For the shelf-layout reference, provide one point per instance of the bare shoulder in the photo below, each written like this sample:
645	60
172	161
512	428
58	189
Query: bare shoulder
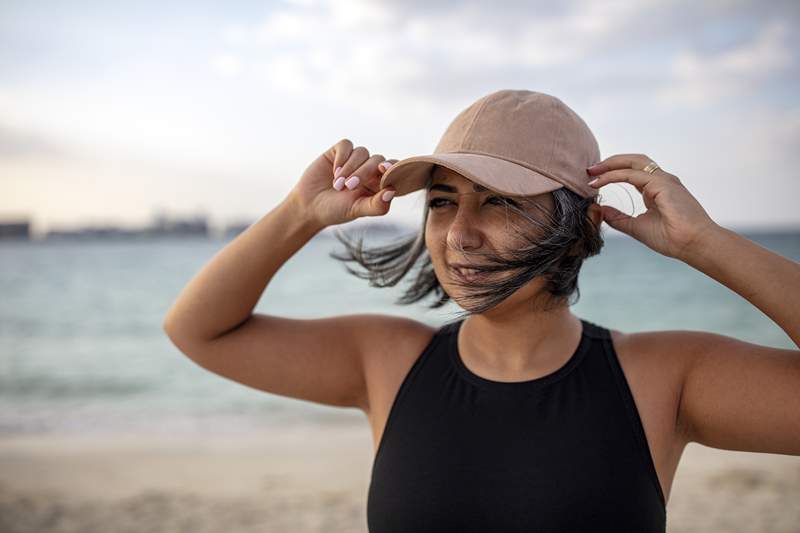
656	364
665	347
394	343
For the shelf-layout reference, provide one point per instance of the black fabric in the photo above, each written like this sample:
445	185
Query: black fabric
565	452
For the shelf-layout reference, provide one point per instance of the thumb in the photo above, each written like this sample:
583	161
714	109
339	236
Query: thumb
375	205
617	219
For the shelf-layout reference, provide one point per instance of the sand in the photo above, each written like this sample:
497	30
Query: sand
304	480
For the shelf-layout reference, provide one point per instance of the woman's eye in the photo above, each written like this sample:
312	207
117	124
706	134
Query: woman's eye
434	203
503	201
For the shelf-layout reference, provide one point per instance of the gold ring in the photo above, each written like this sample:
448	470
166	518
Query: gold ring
651	167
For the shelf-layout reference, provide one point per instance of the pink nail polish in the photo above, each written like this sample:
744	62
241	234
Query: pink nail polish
352	183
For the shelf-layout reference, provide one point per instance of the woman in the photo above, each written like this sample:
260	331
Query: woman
520	416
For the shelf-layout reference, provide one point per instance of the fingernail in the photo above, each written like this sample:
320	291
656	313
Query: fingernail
336	173
352	183
594	180
385	165
339	183
387	196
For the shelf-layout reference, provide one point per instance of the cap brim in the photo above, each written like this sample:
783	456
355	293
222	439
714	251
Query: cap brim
411	174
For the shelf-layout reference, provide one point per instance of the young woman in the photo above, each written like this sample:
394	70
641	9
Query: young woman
521	416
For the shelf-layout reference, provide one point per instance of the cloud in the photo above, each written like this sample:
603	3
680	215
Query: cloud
399	49
257	89
227	65
702	79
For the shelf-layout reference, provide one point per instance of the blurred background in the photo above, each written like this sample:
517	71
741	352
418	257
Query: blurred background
138	139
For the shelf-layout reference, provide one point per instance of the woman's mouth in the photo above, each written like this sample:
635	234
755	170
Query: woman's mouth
466	274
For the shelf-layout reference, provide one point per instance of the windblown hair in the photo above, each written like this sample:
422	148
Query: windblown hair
553	248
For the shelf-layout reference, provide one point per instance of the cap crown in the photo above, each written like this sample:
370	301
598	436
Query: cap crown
532	129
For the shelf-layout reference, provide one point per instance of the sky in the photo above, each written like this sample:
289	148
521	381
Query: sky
116	112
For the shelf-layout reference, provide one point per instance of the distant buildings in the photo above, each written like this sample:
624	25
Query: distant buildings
18	230
196	226
171	227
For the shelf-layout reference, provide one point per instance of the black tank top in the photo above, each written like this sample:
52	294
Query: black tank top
565	452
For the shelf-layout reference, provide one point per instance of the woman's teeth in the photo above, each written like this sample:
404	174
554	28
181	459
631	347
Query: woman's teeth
468	273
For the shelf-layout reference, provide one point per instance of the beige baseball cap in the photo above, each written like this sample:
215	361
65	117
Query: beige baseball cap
515	142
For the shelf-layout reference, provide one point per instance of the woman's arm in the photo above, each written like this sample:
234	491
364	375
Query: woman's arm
223	294
735	395
320	359
226	290
738	395
765	279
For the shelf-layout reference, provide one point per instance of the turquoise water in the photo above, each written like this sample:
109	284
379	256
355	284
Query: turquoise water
82	349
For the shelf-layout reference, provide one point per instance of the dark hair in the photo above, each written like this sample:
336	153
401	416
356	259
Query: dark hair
556	251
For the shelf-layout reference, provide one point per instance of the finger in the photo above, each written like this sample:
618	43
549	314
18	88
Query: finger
366	175
354	159
619	161
383	167
617	219
637	178
374	205
341	153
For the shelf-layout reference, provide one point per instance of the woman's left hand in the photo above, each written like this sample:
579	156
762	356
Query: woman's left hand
674	221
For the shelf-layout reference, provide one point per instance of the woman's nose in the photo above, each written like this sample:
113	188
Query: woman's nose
464	232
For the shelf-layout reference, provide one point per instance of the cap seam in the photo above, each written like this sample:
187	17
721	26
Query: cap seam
474	120
555	137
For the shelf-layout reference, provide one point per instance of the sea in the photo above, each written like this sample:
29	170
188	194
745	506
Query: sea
82	349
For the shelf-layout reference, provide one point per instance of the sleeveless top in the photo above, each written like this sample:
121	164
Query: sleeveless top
565	452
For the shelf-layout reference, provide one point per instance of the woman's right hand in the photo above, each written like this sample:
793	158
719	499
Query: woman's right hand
329	199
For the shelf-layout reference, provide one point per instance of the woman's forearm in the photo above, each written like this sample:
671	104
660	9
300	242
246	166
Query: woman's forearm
765	279
225	291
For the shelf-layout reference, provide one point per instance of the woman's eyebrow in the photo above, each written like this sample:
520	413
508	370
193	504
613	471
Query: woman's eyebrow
449	188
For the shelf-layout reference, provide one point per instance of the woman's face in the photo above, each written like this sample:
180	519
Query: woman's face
478	221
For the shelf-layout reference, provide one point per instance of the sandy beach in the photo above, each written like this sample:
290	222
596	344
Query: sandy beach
307	479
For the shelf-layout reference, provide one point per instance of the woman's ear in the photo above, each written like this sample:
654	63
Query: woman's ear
595	213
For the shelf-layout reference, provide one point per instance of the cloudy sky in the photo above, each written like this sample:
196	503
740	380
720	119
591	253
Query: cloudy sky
112	112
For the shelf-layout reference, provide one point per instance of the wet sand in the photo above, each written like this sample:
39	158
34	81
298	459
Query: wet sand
307	479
